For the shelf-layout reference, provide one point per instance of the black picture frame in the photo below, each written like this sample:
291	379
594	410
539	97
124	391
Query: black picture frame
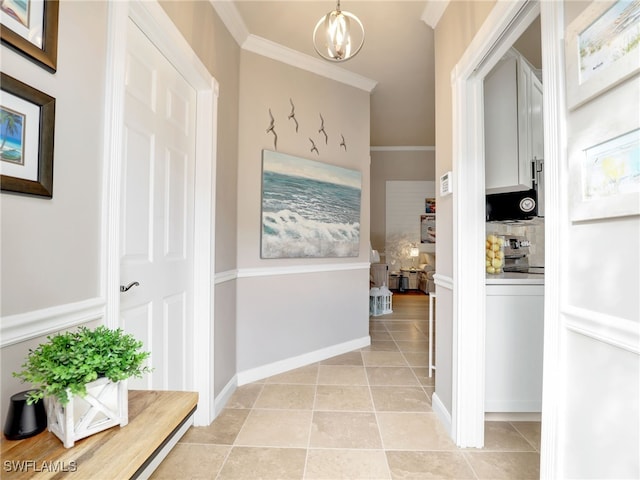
43	185
45	56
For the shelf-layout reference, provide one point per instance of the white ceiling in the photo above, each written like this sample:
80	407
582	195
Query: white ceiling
397	54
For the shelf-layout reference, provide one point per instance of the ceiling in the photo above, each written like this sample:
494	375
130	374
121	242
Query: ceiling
397	54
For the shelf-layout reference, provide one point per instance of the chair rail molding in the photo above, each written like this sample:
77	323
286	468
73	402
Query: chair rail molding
443	281
296	269
25	326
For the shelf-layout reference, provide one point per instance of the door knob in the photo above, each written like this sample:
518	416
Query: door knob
125	289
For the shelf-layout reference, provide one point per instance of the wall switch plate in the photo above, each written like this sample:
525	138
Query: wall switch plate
446	184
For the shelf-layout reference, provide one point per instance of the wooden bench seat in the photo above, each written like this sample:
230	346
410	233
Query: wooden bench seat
157	419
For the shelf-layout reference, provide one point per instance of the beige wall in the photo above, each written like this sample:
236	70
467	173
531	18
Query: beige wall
394	165
453	34
51	248
281	316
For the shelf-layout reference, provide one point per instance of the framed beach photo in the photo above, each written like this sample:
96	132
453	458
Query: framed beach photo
27	119
602	49
30	27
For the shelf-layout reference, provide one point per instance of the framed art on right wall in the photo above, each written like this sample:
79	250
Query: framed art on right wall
602	49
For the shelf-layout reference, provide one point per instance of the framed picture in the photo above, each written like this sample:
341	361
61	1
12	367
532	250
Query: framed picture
31	28
428	228
309	208
602	48
429	205
27	119
609	179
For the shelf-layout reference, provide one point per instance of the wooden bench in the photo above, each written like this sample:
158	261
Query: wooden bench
157	420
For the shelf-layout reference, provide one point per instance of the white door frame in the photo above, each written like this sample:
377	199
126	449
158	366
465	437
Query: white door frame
505	23
154	22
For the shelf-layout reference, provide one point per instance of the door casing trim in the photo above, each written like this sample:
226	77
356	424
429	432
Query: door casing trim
155	23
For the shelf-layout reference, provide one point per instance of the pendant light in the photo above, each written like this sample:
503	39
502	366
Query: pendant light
338	36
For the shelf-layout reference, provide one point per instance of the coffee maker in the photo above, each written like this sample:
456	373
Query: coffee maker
516	254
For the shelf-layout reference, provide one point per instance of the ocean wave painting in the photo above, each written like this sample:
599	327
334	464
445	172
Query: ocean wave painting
309	208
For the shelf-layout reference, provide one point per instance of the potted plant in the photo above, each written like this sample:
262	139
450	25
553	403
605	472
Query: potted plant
83	376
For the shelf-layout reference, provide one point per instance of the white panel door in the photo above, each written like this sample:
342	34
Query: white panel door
156	240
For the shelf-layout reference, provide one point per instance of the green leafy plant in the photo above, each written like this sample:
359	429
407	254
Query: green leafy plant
68	361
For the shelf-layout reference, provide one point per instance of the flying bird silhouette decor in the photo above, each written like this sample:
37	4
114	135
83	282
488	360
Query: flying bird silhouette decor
292	115
343	143
272	129
313	146
326	137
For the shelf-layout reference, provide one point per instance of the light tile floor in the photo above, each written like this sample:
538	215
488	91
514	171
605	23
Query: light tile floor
361	415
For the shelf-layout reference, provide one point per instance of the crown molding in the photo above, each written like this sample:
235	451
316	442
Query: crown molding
433	12
275	51
232	19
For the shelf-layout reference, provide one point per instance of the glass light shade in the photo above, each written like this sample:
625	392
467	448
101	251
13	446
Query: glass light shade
334	38
414	252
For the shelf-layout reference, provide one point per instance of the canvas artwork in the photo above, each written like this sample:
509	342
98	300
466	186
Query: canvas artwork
309	208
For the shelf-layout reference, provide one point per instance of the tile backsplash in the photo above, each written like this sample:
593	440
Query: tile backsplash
532	229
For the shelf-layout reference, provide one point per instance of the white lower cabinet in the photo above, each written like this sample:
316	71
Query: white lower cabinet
514	348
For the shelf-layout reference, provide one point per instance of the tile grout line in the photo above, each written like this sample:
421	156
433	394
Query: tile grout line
375	414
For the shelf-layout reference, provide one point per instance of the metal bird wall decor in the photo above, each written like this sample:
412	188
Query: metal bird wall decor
326	137
343	143
313	146
292	115
272	129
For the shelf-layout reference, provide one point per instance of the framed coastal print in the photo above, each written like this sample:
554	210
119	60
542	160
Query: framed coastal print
27	118
310	209
609	174
30	27
602	49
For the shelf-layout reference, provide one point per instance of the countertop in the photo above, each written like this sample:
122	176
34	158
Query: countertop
515	278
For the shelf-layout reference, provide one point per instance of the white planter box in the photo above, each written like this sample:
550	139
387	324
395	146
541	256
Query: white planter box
104	406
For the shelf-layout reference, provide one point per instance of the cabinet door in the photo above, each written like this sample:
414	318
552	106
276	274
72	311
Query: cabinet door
501	126
525	124
514	349
535	109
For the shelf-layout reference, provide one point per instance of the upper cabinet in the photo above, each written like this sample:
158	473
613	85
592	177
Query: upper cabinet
512	125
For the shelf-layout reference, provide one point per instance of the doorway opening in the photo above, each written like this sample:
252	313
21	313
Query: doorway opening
506	23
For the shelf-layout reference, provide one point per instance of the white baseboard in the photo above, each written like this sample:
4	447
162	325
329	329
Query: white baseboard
223	397
281	366
442	413
515	406
513	416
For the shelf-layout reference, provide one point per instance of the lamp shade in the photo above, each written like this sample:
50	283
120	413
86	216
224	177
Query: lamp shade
338	36
414	252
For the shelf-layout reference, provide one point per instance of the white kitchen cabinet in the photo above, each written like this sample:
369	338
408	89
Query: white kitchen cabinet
514	347
512	124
